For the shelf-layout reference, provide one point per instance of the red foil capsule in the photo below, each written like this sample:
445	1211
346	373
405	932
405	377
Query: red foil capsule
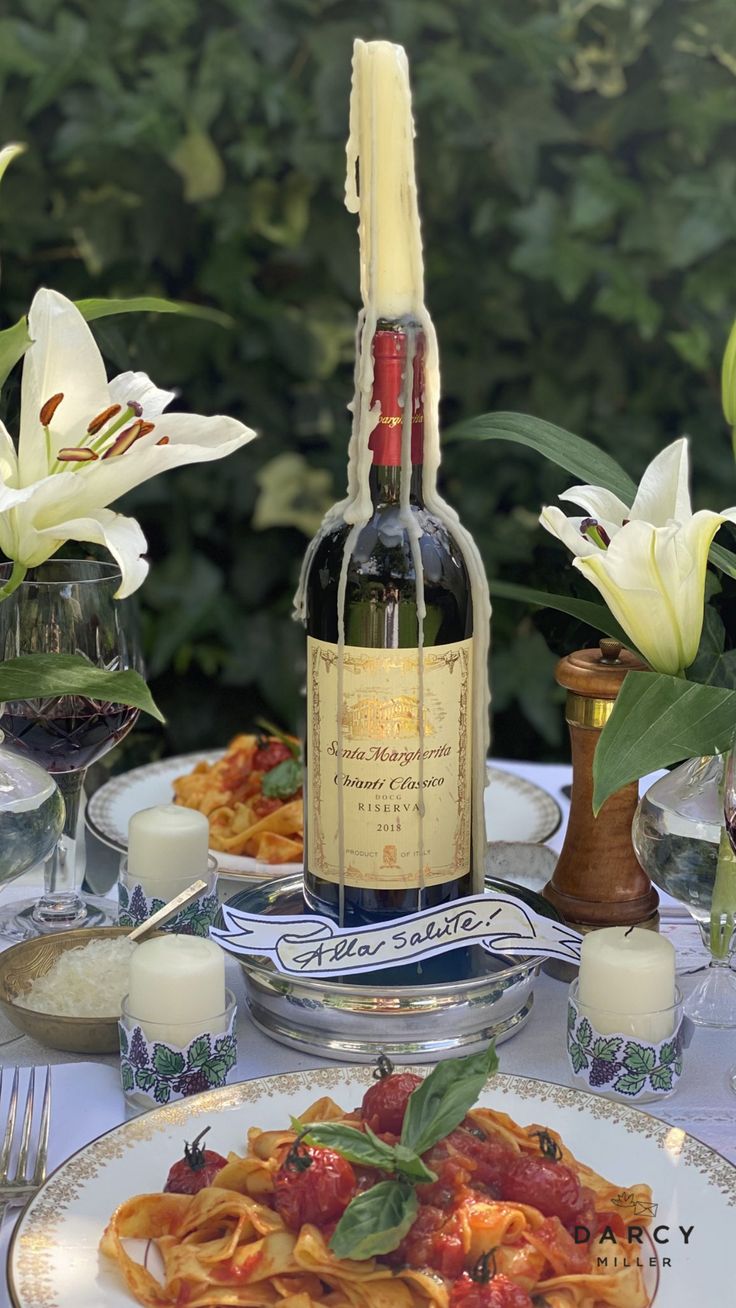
389	359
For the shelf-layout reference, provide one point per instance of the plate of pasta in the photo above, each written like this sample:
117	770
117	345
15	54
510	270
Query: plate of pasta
334	1188
252	795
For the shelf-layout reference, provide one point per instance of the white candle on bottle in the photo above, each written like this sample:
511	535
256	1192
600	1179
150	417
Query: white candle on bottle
384	193
167	849
177	988
627	983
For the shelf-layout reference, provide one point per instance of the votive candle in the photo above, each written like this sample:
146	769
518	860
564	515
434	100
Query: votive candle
167	849
627	982
177	988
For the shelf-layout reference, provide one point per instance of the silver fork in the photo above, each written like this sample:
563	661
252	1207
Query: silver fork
20	1178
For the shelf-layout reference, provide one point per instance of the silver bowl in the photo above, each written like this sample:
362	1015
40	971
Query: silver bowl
409	1022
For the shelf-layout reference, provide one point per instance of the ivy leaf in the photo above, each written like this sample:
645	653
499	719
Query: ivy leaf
34	676
376	1221
144	1078
216	1070
225	1048
167	1062
639	1059
440	1103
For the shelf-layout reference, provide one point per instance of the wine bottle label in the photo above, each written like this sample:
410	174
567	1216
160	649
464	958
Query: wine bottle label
389	764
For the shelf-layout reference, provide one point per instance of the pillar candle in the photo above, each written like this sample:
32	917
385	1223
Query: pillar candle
177	988
167	849
381	185
627	979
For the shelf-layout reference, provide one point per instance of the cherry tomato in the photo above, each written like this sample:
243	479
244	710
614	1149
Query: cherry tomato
270	755
434	1240
499	1292
384	1103
318	1193
549	1186
195	1170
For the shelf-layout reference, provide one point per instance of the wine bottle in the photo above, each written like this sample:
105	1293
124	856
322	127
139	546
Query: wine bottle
389	617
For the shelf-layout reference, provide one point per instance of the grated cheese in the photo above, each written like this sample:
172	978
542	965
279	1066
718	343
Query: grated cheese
89	981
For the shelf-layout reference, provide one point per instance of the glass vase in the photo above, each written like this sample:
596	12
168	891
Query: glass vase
681	841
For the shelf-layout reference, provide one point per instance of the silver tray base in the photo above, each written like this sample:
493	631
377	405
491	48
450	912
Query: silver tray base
410	1023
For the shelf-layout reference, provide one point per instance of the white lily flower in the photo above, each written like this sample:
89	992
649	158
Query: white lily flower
84	441
647	561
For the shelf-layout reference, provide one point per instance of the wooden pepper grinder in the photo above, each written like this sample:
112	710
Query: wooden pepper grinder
598	881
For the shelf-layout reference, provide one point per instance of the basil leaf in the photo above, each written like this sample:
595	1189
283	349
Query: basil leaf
410	1165
356	1146
440	1103
376	1221
283	780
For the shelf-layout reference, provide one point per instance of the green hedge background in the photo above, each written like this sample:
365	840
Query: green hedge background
577	170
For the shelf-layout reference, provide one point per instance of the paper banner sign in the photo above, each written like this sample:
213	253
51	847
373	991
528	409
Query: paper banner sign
310	945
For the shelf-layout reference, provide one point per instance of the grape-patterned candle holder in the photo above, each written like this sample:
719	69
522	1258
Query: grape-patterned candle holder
626	1060
136	904
164	1061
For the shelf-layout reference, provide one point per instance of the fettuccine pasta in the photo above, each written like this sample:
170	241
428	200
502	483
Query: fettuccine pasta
503	1226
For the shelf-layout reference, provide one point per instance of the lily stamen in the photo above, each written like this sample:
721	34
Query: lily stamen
102	419
125	439
77	454
593	530
165	440
49	409
132	410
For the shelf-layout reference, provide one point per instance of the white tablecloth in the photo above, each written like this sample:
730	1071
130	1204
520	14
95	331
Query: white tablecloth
87	1098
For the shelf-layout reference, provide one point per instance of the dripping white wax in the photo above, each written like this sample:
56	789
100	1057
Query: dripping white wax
376	66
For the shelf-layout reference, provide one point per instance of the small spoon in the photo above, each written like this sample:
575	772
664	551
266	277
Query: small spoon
169	910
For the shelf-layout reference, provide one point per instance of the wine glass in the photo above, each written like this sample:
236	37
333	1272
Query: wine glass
680	834
66	606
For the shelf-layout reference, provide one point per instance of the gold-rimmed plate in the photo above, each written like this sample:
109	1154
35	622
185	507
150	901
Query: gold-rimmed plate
517	810
54	1260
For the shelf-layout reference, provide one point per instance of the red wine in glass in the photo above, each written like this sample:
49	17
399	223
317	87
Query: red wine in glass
67	734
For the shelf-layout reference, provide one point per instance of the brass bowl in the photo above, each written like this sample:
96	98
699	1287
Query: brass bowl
22	963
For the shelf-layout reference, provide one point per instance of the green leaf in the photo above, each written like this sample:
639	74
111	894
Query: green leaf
199	1052
199	165
283	780
162	1092
578	1057
216	1069
123	1039
607	1048
629	1083
376	1221
668	1052
144	1078
657	721
167	1062
410	1165
225	1048
356	1146
95	307
34	676
126	1076
585	1034
595	615
661	1078
285	739
576	455
15	340
440	1103
639	1059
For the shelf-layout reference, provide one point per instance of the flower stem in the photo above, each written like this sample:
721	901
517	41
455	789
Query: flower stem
14	580
723	902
